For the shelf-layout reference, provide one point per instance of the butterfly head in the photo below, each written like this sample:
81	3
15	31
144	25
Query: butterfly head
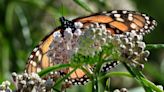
67	24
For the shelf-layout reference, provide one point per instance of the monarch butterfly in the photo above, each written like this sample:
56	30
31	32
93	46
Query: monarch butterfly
116	21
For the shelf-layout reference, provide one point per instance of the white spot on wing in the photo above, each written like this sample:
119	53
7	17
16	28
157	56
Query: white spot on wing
35	49
146	17
130	14
146	27
37	53
148	22
81	79
31	61
114	12
39	57
117	15
31	56
34	63
79	83
120	19
132	25
124	12
73	80
130	18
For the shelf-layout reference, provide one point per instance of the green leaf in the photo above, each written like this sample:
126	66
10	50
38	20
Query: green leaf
110	74
152	85
9	15
24	24
53	68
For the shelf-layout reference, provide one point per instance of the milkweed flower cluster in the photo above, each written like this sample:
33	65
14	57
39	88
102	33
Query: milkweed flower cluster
88	40
31	83
131	48
92	40
27	83
4	87
129	45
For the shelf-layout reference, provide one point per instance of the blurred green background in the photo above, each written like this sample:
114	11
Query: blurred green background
23	23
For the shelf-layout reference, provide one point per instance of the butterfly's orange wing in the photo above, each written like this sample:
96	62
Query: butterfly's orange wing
121	21
38	59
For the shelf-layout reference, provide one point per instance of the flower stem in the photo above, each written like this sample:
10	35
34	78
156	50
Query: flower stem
154	46
116	74
148	86
95	85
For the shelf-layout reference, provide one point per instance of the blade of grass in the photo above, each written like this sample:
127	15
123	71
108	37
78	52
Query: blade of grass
116	74
84	5
5	60
53	68
24	24
9	16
